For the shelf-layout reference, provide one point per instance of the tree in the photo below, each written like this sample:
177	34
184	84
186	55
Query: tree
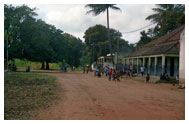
74	50
97	9
35	40
96	41
144	39
167	17
14	17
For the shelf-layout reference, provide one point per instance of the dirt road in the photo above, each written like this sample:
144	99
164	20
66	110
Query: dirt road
85	97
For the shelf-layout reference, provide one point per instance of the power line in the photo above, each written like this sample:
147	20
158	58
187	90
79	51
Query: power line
138	29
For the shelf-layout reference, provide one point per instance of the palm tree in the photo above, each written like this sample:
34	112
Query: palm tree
97	9
168	16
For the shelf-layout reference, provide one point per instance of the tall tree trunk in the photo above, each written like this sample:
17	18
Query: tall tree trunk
47	65
7	51
43	65
108	30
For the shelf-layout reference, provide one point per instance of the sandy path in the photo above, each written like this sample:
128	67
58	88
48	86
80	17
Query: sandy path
85	97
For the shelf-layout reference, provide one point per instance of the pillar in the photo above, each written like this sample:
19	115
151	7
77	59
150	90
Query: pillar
155	64
143	62
149	64
163	64
137	66
132	61
182	60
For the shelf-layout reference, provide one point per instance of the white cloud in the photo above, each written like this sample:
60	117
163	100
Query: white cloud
72	18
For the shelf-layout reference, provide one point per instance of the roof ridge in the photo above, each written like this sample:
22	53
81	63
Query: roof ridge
172	33
160	43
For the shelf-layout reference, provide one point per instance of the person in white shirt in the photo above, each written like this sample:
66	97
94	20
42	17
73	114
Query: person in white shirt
142	70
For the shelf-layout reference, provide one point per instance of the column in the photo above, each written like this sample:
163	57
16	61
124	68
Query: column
143	61
149	64
132	61
155	64
137	65
163	64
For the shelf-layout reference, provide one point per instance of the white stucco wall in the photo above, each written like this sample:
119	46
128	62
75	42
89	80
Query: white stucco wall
182	59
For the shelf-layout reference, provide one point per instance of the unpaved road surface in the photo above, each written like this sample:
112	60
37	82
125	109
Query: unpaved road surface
85	97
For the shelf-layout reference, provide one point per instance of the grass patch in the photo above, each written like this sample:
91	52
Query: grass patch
34	65
24	93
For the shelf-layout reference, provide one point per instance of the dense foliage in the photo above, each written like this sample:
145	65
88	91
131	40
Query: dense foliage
96	39
35	40
167	17
97	9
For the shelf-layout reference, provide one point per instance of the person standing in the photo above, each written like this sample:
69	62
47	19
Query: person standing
142	70
87	69
106	71
110	74
131	69
83	69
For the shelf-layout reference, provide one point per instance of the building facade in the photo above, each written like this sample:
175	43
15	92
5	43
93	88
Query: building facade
158	57
182	59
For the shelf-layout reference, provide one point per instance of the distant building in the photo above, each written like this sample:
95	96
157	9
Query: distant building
159	56
105	61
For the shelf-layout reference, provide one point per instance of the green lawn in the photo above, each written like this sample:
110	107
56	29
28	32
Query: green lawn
23	64
24	93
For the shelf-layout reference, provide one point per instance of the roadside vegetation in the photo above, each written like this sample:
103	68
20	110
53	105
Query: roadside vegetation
24	93
23	64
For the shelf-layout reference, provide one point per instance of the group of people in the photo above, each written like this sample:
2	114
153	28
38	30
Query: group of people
112	74
85	69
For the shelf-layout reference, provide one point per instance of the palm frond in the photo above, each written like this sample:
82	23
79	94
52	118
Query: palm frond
96	9
158	10
115	8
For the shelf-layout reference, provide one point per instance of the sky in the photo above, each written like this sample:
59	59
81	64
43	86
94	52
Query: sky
72	18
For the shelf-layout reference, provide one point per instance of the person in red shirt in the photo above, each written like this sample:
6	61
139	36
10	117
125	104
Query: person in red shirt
110	74
87	69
